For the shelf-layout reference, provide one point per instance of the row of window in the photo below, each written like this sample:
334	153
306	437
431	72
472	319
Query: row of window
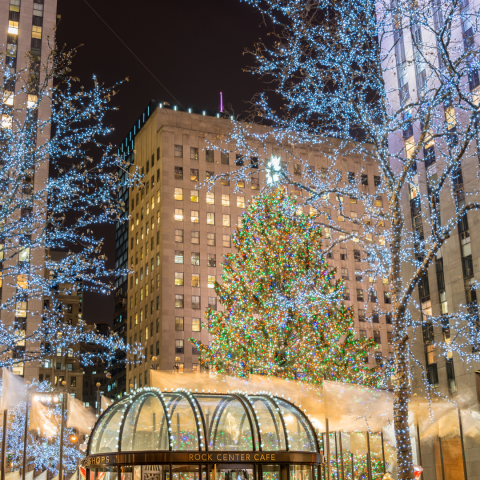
195	256
195	280
210	198
195	302
372	296
195	217
224	181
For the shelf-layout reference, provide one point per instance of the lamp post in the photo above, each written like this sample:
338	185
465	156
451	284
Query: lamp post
154	367
98	385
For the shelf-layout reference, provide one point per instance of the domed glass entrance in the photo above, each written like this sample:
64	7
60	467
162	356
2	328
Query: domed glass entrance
180	435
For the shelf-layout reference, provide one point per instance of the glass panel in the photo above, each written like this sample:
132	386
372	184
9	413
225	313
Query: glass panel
236	474
271	472
184	428
231	429
376	457
155	472
209	406
151	428
272	432
130	423
185	472
301	472
126	473
106	434
300	435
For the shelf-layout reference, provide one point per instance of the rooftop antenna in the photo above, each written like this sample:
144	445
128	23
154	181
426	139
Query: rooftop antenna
221	102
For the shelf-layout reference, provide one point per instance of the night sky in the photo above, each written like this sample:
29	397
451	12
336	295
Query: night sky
194	48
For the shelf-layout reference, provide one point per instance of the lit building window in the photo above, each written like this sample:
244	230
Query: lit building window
210	218
226	220
196	325
7	122
225	200
179	278
13	27
194	196
8	98
178	195
179	214
240	202
195	280
32	100
210	198
194	216
211	281
36	32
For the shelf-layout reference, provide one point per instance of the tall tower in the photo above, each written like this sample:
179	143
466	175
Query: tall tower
25	26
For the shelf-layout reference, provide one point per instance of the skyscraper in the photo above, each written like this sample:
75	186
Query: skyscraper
181	227
26	24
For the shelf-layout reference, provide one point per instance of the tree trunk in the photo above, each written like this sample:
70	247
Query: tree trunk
402	387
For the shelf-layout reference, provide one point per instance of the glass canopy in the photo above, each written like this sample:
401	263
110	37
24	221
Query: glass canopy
184	421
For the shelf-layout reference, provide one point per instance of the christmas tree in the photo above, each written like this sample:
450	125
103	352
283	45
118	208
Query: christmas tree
283	309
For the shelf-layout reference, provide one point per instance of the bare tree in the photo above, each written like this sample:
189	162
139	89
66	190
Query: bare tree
396	82
53	192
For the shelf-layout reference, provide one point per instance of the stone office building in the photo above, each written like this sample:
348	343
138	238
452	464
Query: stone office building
179	231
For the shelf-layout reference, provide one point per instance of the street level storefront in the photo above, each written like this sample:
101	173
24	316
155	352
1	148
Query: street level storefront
180	435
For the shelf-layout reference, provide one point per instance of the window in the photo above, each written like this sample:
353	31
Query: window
211	281
193	153
227	241
376	181
364	180
359	295
195	258
195	280
13	28
210	218
194	174
225	182
361	315
345	273
255	184
358	278
211	259
195	238
210	198
375	318
194	216
388	318
179	324
224	157
225	200
178	173
363	334
211	239
356	255
297	169
178	194
178	236
376	337
209	155
179	279
36	32
240	202
179	214
196	325
386	298
346	294
379	202
212	303
226	220
239	160
179	346
343	254
194	196
179	256
179	151
178	301
372	296
390	338
209	175
195	302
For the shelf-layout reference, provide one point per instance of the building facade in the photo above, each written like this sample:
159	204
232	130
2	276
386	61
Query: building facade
179	231
26	24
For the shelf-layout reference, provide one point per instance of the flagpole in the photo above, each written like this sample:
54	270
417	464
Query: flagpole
4	444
